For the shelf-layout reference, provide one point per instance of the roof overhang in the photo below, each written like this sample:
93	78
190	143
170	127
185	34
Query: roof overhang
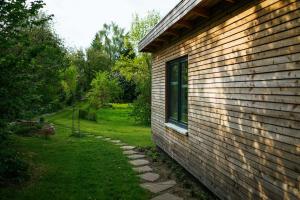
180	17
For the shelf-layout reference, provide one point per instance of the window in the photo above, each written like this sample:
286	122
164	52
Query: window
177	91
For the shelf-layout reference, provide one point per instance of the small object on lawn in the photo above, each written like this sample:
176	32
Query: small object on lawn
167	196
139	162
129	152
143	169
149	176
158	187
47	130
127	147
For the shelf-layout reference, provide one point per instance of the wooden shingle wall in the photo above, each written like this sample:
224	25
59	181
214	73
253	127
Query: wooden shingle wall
244	102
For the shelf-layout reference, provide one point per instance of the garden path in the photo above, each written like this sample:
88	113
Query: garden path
150	180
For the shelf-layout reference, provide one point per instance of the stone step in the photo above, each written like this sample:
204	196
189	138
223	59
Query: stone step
149	176
99	137
127	147
136	156
116	141
158	187
167	196
129	152
143	169
139	162
120	144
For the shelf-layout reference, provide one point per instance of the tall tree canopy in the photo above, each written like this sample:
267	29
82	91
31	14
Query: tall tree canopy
31	56
138	69
141	26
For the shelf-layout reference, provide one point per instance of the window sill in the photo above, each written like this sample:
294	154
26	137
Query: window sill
176	128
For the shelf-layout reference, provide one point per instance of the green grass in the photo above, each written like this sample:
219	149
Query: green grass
65	167
112	122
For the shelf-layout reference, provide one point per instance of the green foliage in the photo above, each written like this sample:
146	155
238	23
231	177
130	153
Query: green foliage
111	40
87	115
77	59
138	69
31	56
13	170
69	83
141	26
104	90
142	105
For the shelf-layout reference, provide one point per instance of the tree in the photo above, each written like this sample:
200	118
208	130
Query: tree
104	90
138	69
69	83
31	56
78	59
141	26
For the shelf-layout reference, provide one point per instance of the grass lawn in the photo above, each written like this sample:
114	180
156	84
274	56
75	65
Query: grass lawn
65	167
113	122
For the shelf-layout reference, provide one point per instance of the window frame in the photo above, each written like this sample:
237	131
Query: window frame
180	61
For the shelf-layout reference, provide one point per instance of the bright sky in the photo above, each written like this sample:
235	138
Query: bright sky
77	21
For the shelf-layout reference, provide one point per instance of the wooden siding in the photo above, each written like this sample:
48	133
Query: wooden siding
244	102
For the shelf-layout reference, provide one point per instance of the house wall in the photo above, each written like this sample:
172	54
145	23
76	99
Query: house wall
244	93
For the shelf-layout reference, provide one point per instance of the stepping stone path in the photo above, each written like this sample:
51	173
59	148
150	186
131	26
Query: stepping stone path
146	172
120	144
167	196
139	162
158	187
143	169
149	176
136	156
127	147
130	152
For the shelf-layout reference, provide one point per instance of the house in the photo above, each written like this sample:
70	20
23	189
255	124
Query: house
226	94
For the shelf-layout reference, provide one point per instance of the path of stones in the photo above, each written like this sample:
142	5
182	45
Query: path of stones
150	180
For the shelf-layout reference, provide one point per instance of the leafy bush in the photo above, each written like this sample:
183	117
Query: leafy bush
142	110
104	90
87	115
12	168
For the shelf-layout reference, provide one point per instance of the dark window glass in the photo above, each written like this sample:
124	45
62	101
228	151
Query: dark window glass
184	92
173	85
177	91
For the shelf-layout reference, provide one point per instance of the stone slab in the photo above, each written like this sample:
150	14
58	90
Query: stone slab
139	162
158	187
167	196
99	137
121	144
130	152
143	169
149	176
116	141
127	147
136	156
107	139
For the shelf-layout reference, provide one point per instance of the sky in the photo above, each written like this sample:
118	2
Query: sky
77	21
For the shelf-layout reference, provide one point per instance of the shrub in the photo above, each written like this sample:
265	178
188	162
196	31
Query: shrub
12	168
87	115
104	90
